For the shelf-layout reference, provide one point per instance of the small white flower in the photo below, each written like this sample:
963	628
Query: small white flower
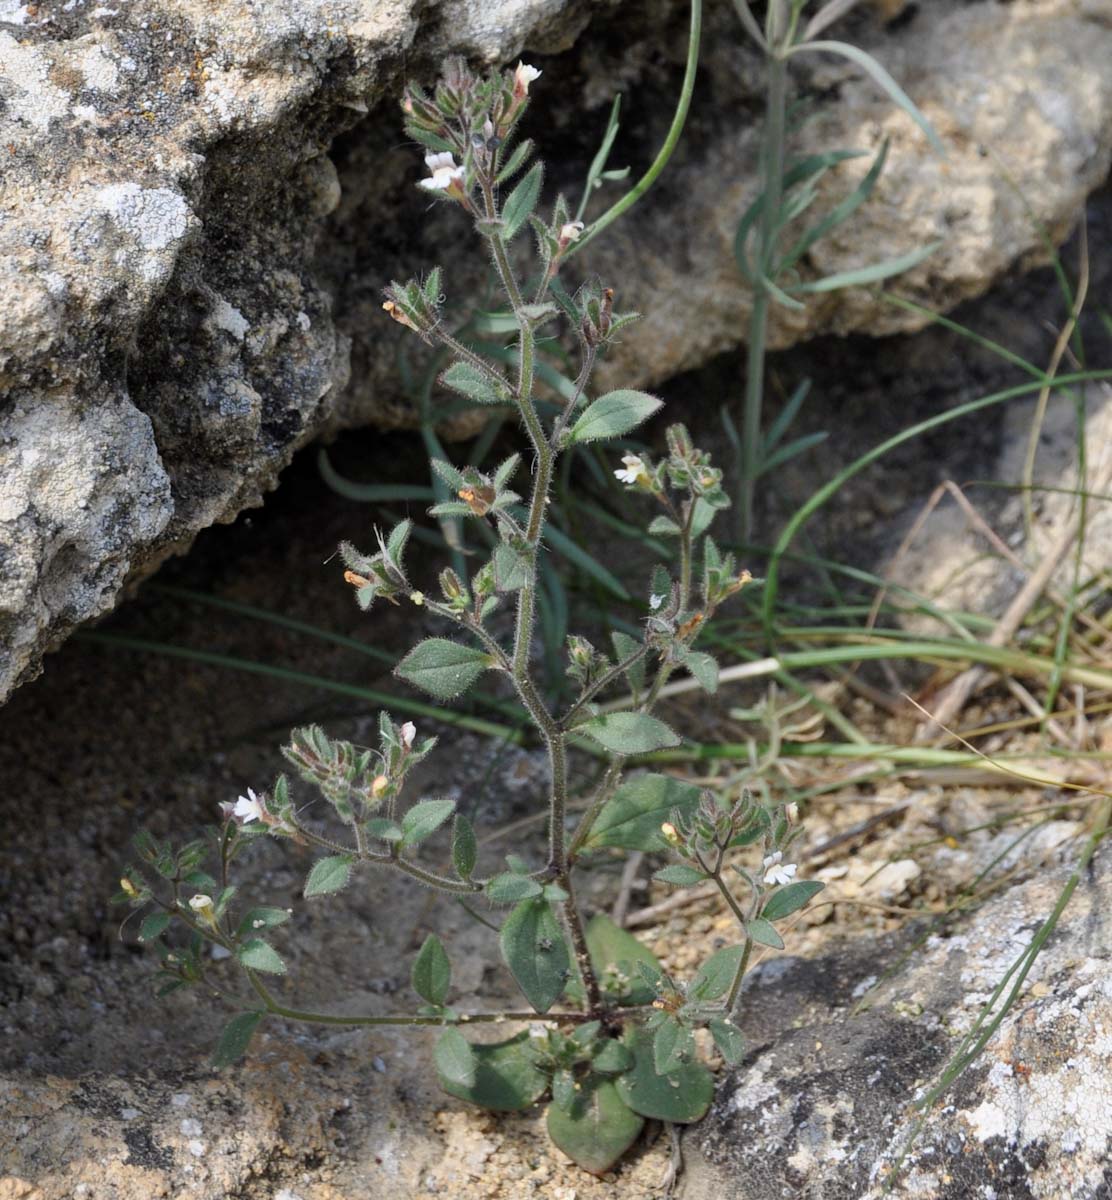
655	602
409	732
248	808
791	811
200	903
524	75
776	873
570	232
633	471
444	173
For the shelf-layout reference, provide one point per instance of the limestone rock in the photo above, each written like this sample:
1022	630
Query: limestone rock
164	344
823	1109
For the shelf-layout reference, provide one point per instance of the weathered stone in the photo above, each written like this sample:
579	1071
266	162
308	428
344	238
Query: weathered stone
824	1109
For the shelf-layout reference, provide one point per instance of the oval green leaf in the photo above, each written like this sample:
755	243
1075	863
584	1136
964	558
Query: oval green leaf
261	956
235	1038
790	899
432	972
328	875
632	817
534	949
506	1078
596	1128
442	668
424	819
681	1096
455	1059
613	415
629	733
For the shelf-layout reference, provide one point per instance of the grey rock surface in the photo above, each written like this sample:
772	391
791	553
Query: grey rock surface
824	1110
201	203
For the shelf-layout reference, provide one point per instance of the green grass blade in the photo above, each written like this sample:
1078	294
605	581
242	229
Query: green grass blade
871	274
880	77
374	493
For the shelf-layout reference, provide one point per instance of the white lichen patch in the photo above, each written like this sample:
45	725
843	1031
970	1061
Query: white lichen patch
29	96
101	73
228	318
154	217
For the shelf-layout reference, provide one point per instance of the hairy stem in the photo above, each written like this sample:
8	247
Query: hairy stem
315	1018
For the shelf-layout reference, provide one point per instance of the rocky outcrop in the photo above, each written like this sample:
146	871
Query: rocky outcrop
825	1109
201	202
165	345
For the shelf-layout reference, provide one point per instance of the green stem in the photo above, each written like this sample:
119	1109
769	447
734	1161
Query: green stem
661	161
742	967
772	177
315	1018
579	944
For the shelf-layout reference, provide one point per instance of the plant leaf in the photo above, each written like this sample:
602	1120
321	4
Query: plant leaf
729	1040
534	948
881	77
506	1078
432	972
871	274
469	381
681	1096
629	733
673	1045
680	875
516	160
442	668
328	875
764	933
632	817
625	647
714	978
455	1059
791	898
596	1128
613	415
153	925
261	956
613	1058
703	669
511	886
424	819
465	847
521	202
235	1038
262	918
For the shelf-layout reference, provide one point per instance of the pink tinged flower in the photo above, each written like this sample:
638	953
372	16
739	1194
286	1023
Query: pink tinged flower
249	808
444	175
776	871
523	77
409	732
633	470
570	233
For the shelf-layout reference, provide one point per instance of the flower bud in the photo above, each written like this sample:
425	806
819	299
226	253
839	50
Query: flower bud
129	888
671	835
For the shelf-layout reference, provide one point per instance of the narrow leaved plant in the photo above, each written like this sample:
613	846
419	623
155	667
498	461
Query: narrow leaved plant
608	1037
